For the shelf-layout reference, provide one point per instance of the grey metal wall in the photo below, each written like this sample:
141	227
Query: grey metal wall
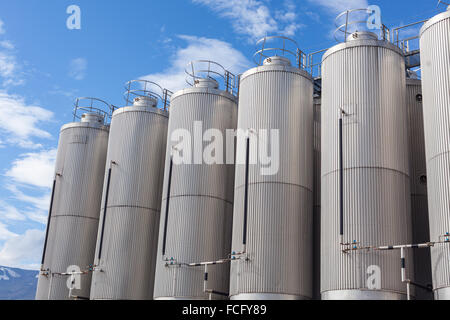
366	78
201	202
280	206
419	201
435	50
137	145
316	193
72	235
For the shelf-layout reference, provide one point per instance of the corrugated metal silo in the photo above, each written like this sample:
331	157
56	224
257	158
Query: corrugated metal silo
127	240
273	214
435	52
419	201
363	83
75	207
316	193
197	205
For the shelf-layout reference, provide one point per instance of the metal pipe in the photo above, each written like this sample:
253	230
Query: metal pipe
48	223
104	213
167	207
247	166
341	182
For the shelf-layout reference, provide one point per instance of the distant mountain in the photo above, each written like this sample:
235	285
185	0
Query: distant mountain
17	284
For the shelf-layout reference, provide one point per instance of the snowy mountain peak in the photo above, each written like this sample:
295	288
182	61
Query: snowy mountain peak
7	274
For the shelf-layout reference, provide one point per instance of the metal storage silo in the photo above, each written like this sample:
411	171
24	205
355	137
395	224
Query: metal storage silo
127	240
75	205
316	193
365	169
273	213
419	201
435	52
197	204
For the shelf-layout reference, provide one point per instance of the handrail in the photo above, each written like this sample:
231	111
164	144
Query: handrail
148	89
344	28
197	70
104	109
288	47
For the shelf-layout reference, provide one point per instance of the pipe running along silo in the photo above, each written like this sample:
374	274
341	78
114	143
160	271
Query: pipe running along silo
419	201
435	52
197	202
273	208
75	204
365	181
127	240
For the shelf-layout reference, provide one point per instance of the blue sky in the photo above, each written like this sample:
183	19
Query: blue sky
44	66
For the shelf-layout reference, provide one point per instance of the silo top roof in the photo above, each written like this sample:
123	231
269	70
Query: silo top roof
205	90
434	20
362	43
276	67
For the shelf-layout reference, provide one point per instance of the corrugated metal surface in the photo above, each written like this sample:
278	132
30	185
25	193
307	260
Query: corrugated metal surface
419	201
138	138
435	52
316	193
201	201
366	79
73	229
280	208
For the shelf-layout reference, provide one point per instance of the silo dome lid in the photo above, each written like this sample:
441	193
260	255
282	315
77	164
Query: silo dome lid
276	60
206	83
145	101
362	35
92	118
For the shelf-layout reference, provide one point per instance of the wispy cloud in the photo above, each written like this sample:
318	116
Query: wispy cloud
22	251
174	77
338	6
9	212
34	169
21	122
2	27
5	234
6	44
78	68
254	19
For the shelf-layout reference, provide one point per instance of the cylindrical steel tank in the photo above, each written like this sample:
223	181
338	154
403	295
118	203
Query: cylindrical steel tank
197	206
316	193
419	201
276	107
363	82
75	208
127	241
435	52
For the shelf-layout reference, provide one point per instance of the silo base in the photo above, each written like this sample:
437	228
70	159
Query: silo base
362	295
267	296
442	294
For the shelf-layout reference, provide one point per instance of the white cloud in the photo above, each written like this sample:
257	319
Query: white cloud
34	169
253	18
20	122
8	212
78	68
6	44
5	234
2	28
174	77
22	251
338	6
8	65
